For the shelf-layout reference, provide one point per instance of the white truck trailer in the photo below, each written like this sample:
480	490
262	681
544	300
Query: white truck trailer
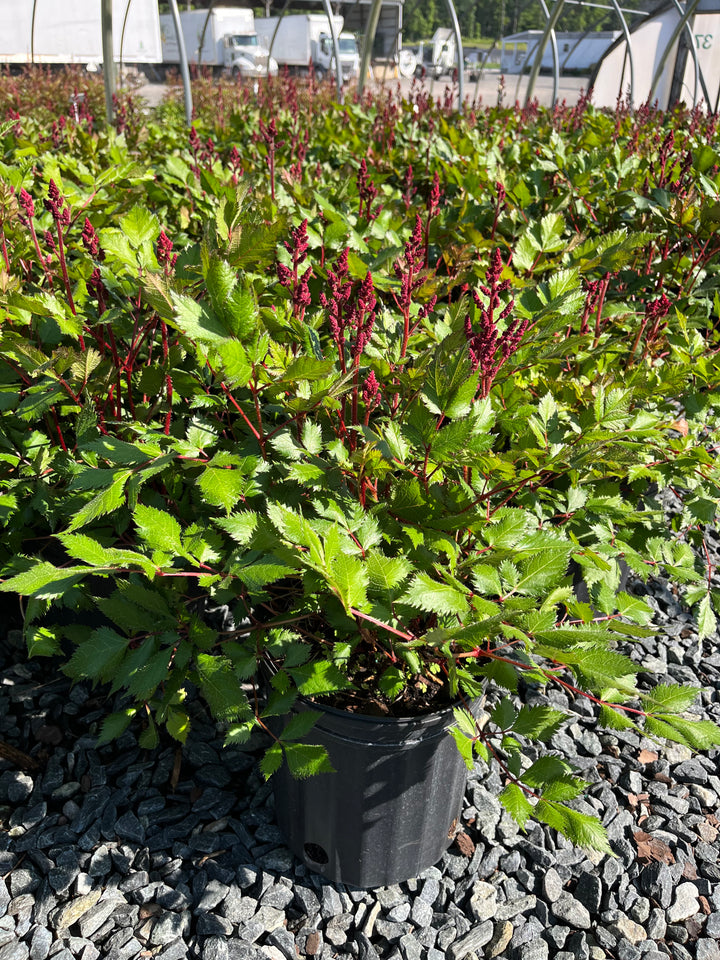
439	56
229	41
70	32
305	40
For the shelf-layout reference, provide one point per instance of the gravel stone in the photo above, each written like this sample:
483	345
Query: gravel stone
475	940
685	904
14	951
707	949
552	885
534	950
71	912
571	911
214	948
626	928
502	934
40	943
422	913
168	927
483	902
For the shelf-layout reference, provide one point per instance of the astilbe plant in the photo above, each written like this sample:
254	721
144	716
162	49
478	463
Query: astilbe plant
220	393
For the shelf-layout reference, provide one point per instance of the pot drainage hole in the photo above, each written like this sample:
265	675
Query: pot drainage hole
314	852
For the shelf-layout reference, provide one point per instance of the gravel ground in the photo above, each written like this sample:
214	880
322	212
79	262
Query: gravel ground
120	853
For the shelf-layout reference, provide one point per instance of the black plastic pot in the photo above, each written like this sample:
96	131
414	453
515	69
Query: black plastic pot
389	811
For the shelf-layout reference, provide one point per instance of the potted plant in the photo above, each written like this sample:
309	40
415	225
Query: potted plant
388	493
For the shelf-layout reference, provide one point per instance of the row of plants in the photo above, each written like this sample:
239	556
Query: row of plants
382	378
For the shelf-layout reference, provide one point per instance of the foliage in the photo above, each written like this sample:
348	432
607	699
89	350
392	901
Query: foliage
381	409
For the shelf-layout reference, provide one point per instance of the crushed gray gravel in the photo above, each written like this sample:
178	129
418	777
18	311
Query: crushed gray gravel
122	853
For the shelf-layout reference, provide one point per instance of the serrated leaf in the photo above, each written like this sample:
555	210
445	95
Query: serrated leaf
538	723
240	526
197	321
103	503
139	226
545	770
44	579
319	677
115	724
615	719
307	760
706	619
221	687
149	738
385	573
392	682
255	576
580	828
99	657
464	745
300	724
222	487
271	761
513	798
433	597
348	577
670	698
160	530
503	715
42	642
234	363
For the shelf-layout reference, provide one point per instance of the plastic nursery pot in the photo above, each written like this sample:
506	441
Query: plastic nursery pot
391	808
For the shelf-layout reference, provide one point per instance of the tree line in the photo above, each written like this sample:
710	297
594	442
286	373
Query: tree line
492	19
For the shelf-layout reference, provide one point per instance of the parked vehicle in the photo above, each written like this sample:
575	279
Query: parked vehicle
305	40
223	39
438	57
70	32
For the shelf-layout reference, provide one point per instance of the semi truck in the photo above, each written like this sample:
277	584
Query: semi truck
224	40
439	56
304	41
45	31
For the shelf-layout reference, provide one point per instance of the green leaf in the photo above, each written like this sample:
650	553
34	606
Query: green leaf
392	682
234	363
158	529
580	828
271	761
44	579
545	770
223	487
319	677
115	724
307	760
538	723
300	725
197	321
513	798
633	608
503	714
99	657
433	597
149	738
139	226
464	745
385	573
42	642
707	621
670	698
221	688
240	526
105	502
615	719
348	577
178	724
